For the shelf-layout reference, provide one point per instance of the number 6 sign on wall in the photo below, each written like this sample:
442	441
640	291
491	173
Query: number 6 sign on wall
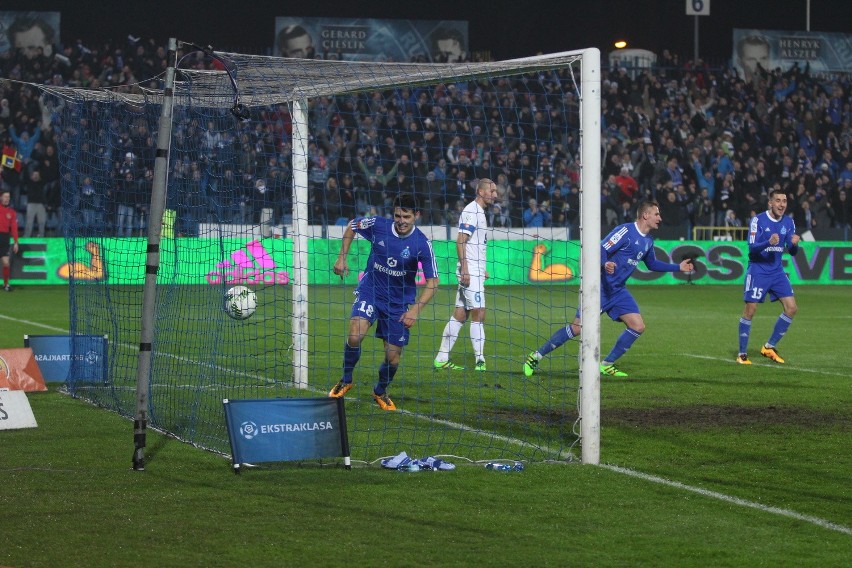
697	7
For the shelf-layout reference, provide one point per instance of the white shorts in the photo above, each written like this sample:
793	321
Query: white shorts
471	297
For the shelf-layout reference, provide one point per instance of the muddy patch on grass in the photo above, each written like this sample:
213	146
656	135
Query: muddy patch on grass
695	417
705	416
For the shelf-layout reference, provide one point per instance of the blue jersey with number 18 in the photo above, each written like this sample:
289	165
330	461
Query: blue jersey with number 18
391	271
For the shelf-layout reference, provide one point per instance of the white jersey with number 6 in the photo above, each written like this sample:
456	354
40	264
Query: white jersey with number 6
474	224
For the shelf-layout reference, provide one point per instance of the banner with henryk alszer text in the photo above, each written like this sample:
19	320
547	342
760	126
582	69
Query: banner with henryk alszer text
286	429
823	52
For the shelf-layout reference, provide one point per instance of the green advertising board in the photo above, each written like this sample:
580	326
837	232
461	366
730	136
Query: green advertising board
269	261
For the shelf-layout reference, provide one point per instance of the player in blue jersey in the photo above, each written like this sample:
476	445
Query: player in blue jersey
769	235
621	252
387	292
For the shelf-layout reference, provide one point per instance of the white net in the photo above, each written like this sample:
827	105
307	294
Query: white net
269	158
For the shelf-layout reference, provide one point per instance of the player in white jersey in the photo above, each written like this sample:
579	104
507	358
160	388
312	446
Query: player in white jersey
471	272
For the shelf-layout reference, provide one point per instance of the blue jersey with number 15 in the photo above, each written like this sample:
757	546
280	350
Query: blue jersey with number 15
764	258
391	270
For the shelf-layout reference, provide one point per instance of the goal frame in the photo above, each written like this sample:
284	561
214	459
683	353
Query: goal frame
590	227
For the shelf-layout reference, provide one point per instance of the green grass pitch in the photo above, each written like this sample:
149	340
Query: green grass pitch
760	454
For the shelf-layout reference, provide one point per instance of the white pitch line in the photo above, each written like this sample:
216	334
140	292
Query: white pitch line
456	425
774	365
45	326
704	492
730	499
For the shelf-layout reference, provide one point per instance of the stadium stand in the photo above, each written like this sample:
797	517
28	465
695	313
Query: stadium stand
702	141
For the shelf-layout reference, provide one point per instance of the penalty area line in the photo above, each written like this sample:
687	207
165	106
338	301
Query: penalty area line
822	523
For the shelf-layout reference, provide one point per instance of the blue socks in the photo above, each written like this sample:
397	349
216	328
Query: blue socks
781	327
351	355
745	331
625	341
386	373
559	338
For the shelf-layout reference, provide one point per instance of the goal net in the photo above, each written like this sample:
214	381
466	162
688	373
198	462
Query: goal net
246	174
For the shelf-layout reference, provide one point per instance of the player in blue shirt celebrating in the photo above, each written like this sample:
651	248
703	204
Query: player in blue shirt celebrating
621	252
387	291
769	235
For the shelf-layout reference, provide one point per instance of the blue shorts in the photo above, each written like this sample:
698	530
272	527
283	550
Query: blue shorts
617	305
757	286
388	328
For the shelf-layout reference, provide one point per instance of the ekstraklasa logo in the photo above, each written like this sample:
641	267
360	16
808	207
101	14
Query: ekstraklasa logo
249	430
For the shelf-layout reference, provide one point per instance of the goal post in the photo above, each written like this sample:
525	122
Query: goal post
300	243
248	196
590	254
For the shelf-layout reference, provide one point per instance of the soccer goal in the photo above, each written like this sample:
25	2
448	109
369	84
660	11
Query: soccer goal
200	180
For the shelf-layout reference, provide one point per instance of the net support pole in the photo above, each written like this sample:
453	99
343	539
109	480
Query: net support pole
300	242
590	255
152	261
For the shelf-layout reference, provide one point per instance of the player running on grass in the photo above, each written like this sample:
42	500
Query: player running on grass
387	291
769	235
471	273
621	252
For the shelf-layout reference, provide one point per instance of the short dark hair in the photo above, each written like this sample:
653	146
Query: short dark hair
445	33
291	32
645	206
26	22
406	201
777	190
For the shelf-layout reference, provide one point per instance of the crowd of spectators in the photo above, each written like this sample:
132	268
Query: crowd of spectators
705	143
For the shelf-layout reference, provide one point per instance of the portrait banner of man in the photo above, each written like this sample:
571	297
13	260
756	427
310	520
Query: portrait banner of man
754	50
294	41
32	34
751	53
366	39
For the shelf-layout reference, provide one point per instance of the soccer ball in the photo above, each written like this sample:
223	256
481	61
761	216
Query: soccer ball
240	302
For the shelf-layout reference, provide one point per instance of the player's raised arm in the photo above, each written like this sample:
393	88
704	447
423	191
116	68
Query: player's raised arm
758	240
793	245
657	265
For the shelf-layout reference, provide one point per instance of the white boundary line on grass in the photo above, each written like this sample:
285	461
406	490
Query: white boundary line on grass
567	455
45	326
728	498
626	471
773	365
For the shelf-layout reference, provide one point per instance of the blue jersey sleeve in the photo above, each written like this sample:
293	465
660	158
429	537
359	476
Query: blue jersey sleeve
657	265
363	226
757	239
791	248
613	242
